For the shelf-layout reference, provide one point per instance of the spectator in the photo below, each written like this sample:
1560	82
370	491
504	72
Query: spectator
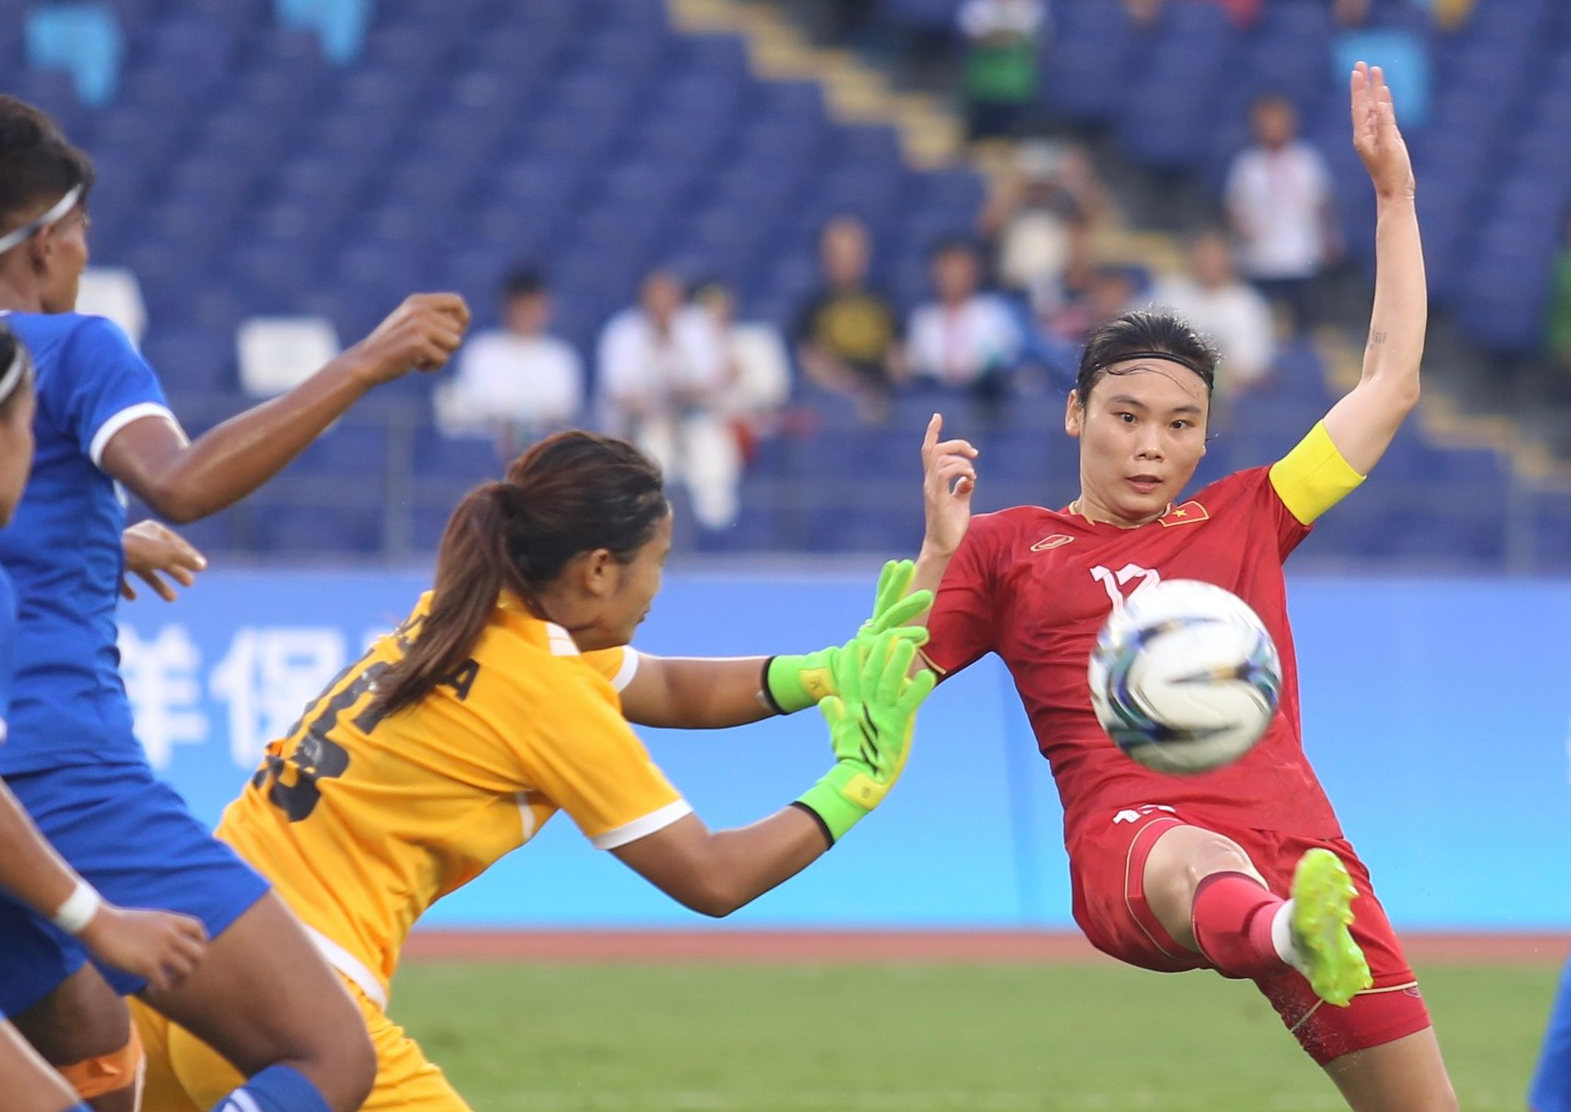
1230	312
663	383
1558	337
1279	203
1031	217
848	340
1002	68
1061	307
757	366
516	382
966	338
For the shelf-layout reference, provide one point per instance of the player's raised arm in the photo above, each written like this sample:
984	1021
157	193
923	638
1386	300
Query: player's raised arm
185	481
1363	423
948	478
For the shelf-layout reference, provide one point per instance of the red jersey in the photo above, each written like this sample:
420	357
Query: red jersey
1035	586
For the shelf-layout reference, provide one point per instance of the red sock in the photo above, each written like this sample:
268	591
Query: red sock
1232	916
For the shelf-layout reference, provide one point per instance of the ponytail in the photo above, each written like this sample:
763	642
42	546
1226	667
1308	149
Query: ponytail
571	493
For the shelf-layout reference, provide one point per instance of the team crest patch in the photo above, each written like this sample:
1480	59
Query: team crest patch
1187	514
1057	540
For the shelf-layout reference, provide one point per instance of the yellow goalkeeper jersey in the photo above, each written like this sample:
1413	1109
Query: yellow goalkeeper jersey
361	824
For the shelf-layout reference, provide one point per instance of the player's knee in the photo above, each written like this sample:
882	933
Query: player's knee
1217	854
345	1066
105	1075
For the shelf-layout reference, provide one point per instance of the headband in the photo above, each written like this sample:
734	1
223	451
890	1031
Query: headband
1169	356
37	224
12	375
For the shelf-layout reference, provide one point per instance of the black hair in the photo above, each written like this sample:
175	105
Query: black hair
523	281
1144	332
11	388
952	244
572	492
38	165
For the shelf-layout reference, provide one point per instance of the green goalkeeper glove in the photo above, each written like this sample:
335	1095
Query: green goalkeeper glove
793	683
870	723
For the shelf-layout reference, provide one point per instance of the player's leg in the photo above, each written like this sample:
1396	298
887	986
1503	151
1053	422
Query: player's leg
82	1030
30	1085
1380	1049
1406	1075
1211	898
264	999
262	995
1551	1090
186	1075
64	1007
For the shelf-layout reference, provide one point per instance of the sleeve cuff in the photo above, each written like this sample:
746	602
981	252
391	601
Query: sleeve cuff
107	430
652	823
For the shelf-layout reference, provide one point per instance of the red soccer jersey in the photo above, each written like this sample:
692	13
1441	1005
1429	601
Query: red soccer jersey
1036	585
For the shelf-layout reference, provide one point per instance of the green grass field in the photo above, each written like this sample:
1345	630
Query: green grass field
918	1038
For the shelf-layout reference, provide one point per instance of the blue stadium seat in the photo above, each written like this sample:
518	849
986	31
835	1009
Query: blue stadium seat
83	39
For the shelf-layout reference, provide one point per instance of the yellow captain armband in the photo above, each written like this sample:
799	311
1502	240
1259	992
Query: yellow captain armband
1313	477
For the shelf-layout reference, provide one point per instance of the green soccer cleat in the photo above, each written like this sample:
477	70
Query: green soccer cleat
1322	910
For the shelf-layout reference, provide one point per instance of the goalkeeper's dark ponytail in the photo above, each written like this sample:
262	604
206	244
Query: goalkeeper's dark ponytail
571	493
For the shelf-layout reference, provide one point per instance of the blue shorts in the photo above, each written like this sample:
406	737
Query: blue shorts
134	840
1551	1090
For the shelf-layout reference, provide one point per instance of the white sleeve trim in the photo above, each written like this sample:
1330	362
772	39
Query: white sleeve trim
629	669
652	823
350	966
107	430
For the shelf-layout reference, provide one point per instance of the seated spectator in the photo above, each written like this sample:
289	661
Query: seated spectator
1278	199
1061	306
966	338
662	381
516	382
757	366
1232	313
847	337
1031	217
1558	332
1002	64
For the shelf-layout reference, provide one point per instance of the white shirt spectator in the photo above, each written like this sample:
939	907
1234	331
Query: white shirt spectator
959	344
532	383
667	392
1233	315
980	18
1277	200
644	373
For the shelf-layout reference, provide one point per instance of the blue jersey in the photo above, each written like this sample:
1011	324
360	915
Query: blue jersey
63	550
7	647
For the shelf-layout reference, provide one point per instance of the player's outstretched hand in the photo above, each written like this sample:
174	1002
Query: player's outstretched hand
870	721
794	683
1375	134
948	478
152	550
419	335
157	945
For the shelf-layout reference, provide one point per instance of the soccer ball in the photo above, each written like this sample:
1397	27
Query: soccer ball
1184	676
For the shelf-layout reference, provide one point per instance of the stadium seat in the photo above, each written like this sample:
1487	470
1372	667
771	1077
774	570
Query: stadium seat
278	353
84	40
113	292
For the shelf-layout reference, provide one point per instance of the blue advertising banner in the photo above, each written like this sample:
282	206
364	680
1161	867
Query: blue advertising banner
1437	712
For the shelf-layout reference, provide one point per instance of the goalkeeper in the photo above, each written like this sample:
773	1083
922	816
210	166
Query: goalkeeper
495	705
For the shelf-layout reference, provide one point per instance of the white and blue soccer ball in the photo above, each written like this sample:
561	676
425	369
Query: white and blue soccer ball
1184	677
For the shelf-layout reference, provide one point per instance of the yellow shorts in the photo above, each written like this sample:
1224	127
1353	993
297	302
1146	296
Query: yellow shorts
185	1075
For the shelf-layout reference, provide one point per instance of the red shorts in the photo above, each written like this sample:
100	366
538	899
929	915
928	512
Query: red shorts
1107	858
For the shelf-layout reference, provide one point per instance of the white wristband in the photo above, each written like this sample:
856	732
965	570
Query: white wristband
79	908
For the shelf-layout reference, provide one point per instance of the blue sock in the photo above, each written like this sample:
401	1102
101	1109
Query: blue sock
276	1089
79	1108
